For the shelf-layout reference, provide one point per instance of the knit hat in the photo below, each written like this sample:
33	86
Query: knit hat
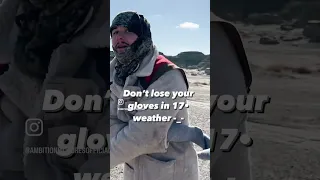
135	23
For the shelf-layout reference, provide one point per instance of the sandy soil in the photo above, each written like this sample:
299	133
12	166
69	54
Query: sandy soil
199	114
287	136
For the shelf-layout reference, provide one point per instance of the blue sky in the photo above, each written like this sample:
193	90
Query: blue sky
176	25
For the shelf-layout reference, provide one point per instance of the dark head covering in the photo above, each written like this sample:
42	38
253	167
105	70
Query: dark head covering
42	30
135	23
129	61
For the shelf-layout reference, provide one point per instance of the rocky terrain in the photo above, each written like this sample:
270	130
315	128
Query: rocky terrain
283	48
287	136
296	19
189	60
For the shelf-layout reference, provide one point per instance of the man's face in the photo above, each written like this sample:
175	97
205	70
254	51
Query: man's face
122	38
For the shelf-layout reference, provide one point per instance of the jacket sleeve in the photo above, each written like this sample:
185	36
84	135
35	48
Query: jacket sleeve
131	139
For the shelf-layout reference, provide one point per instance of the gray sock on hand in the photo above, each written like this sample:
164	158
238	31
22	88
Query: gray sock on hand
184	133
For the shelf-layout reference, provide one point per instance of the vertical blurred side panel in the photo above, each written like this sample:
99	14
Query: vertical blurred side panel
230	75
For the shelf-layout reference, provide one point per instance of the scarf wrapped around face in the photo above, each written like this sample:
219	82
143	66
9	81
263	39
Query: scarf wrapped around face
43	27
129	61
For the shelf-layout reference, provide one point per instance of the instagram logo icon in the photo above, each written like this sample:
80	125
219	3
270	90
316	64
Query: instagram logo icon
34	127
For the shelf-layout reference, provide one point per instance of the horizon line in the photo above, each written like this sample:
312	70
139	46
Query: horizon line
179	53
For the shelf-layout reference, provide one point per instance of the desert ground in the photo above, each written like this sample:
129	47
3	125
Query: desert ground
287	136
199	115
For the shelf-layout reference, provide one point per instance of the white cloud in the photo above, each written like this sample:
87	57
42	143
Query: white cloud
188	25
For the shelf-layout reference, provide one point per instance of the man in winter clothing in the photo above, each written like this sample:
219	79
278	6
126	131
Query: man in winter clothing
57	47
228	51
149	150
